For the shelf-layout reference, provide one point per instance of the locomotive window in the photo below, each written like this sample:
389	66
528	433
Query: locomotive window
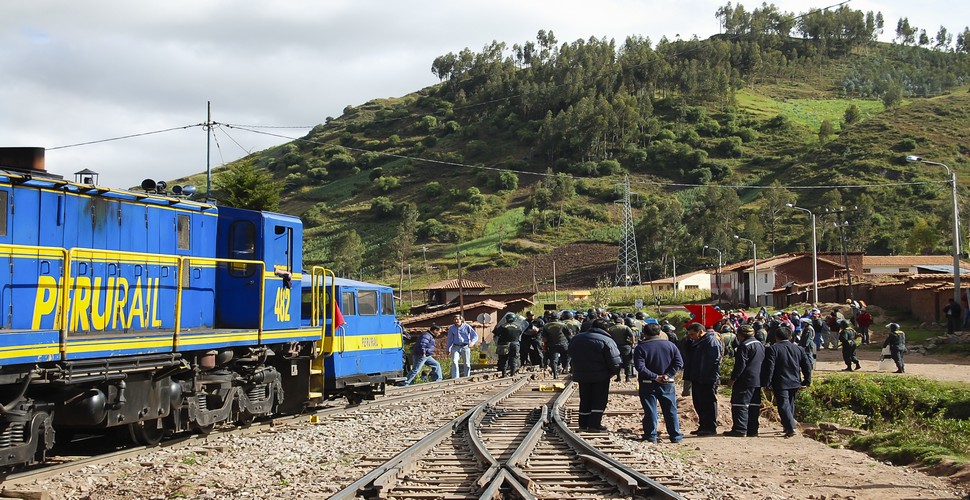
3	212
184	230
284	239
387	303
348	306
242	245
367	302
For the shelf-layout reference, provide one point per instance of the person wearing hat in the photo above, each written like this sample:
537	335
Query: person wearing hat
461	338
508	338
896	342
657	362
864	321
595	360
728	339
784	362
423	352
745	384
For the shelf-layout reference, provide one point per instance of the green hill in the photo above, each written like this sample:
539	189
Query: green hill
522	149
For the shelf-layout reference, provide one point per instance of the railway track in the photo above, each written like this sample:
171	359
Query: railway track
516	444
96	450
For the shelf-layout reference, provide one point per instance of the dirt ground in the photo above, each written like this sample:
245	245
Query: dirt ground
772	466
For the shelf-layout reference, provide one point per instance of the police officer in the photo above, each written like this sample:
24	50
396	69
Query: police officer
745	384
531	345
896	342
595	360
847	337
508	336
624	336
556	337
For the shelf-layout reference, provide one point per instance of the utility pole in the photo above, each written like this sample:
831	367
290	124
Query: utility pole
208	152
627	263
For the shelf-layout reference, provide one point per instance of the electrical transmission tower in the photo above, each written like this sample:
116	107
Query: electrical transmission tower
627	264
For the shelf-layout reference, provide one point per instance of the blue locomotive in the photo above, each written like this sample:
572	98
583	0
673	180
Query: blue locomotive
154	314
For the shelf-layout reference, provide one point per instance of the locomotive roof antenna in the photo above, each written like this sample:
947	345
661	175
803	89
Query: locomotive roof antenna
627	263
208	152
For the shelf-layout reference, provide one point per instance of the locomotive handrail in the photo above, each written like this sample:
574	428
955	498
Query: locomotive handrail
179	261
178	301
61	297
318	303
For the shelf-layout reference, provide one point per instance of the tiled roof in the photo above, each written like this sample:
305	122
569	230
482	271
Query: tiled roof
453	285
906	260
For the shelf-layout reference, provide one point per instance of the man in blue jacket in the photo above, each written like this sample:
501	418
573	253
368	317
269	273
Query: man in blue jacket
423	352
746	384
657	361
703	368
595	360
783	362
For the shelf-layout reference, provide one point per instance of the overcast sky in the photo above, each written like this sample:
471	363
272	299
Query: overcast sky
74	72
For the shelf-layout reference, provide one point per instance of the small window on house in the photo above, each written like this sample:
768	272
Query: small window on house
866	271
184	229
367	302
348	305
766	278
387	304
691	287
904	269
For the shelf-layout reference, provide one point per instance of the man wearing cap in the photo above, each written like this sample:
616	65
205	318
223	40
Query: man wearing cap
508	336
423	350
745	384
595	360
657	362
461	338
703	368
783	363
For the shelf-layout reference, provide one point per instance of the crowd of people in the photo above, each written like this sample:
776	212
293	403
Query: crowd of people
775	352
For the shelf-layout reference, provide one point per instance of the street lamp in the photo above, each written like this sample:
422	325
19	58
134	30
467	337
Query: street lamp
718	272
814	253
754	255
956	221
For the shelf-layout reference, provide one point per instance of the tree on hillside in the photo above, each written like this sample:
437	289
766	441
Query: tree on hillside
923	238
825	130
661	231
851	114
775	213
402	245
943	39
348	254
905	33
249	187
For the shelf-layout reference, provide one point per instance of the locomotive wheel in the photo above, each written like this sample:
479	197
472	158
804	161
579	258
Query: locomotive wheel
146	432
203	430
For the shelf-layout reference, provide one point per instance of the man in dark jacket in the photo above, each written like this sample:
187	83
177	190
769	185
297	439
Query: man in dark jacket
595	359
746	384
783	363
657	362
508	337
423	350
703	369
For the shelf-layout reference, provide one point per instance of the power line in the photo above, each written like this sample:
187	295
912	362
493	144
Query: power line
130	136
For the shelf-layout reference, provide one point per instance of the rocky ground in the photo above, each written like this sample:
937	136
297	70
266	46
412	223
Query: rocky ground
315	460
